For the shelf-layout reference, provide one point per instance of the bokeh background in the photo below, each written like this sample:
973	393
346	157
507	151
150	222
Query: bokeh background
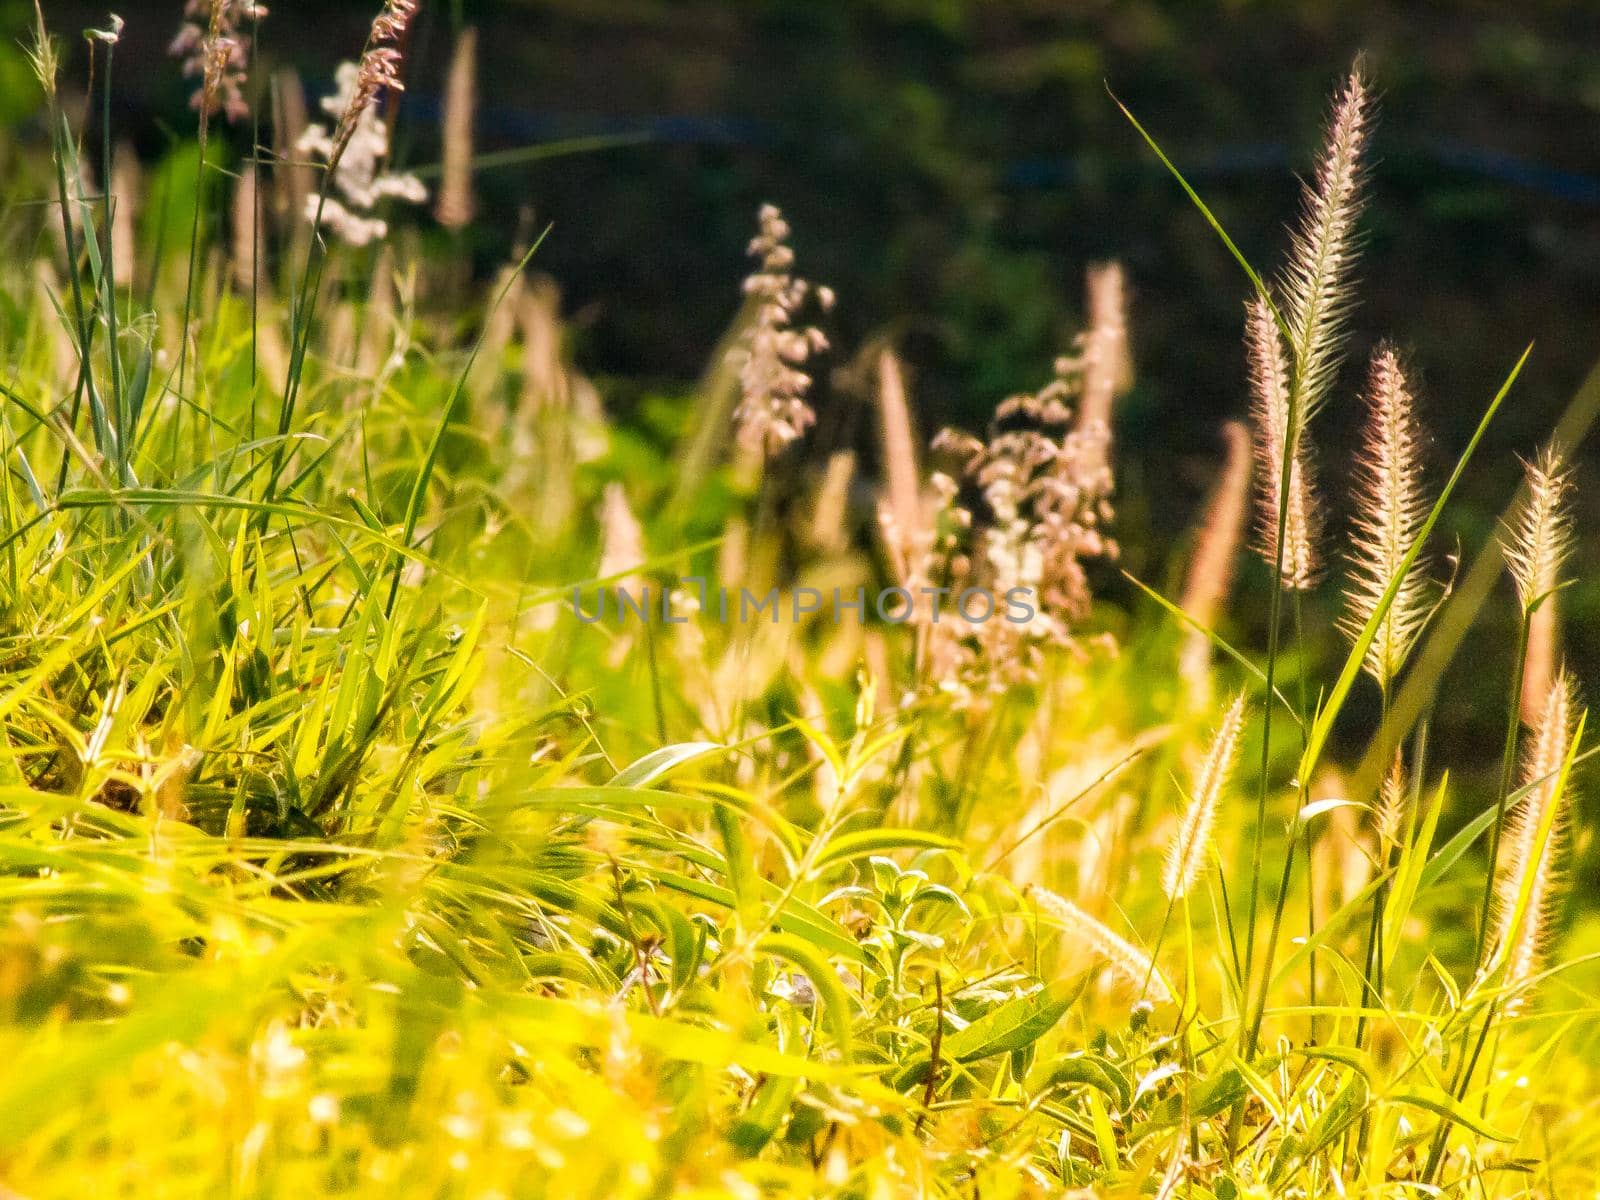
950	167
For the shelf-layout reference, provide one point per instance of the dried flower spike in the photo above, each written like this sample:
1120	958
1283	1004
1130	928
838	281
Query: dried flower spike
1391	510
773	410
214	44
1190	848
379	69
356	163
456	204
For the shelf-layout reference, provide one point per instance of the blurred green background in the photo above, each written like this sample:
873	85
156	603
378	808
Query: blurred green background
950	166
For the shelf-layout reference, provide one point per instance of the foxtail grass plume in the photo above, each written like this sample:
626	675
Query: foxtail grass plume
214	44
1391	509
1393	800
1539	664
773	410
1107	372
1125	960
1540	538
1216	553
126	192
292	176
830	509
1269	408
621	540
899	443
1531	864
245	233
1191	847
457	205
1315	283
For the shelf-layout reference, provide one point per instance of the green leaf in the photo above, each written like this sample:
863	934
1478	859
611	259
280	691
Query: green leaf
658	764
824	980
1442	1104
1016	1023
1092	1070
850	846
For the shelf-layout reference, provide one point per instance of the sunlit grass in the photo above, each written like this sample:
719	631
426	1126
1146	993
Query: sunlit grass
338	855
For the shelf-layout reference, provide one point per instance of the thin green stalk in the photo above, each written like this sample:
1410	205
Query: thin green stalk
85	382
1259	1010
655	670
1311	892
119	416
1372	968
194	252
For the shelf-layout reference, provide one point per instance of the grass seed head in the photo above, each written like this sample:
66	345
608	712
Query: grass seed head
1391	509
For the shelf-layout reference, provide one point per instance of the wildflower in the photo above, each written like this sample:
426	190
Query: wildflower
214	47
111	34
1391	509
773	410
354	151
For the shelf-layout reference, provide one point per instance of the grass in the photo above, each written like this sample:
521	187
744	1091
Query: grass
338	856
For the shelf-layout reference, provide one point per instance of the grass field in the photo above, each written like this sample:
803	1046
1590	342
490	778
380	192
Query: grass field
345	849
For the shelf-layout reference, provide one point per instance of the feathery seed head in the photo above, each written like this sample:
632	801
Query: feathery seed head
1316	281
1531	863
1124	959
1186	856
1392	807
1539	663
1391	509
1295	522
1540	539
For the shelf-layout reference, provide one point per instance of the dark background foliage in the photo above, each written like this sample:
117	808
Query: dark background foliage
950	166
